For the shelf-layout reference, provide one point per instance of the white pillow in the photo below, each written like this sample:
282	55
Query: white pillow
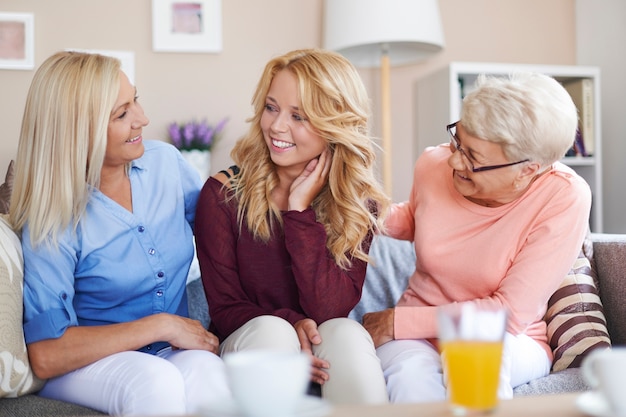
16	376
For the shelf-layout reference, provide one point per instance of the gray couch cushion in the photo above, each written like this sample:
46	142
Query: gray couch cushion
198	307
567	380
393	262
35	406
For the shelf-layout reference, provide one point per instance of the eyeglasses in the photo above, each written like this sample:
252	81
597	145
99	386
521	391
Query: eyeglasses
455	145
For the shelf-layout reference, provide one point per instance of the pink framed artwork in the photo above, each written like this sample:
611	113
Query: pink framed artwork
17	44
187	26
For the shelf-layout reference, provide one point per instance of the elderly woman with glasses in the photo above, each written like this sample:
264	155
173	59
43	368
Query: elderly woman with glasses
496	220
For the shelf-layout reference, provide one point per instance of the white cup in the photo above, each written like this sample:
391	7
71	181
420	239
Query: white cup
267	383
605	371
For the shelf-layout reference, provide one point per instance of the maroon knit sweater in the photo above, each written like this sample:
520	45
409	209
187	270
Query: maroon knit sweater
292	276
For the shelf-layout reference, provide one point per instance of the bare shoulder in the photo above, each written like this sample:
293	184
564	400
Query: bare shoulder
226	175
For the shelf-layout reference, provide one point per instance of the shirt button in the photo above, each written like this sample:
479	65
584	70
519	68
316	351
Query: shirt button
141	229
151	251
159	293
64	296
160	274
149	347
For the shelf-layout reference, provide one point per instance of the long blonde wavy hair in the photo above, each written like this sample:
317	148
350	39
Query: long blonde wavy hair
334	100
62	142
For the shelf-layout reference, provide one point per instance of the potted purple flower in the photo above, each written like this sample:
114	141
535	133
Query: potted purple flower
195	140
195	135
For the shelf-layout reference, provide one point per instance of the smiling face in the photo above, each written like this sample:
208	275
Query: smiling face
124	140
490	188
291	140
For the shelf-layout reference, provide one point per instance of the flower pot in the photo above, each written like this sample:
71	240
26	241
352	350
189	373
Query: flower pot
200	160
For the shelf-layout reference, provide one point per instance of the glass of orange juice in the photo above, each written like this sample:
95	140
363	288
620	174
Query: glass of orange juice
470	341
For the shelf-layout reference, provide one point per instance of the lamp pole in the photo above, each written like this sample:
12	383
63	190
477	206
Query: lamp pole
385	78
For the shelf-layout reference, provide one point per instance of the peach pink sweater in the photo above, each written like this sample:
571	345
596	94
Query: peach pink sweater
515	255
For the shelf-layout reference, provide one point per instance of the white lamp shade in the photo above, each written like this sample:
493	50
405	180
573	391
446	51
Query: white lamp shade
409	30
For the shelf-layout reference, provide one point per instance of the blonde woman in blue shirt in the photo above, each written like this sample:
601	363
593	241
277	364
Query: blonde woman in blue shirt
107	234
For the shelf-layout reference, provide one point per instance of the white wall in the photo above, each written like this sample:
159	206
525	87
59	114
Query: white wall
601	40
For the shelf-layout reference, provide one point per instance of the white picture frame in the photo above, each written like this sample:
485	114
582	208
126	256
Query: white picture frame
193	26
17	41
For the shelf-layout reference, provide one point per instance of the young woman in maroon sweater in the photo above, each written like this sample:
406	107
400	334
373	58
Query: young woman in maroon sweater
283	237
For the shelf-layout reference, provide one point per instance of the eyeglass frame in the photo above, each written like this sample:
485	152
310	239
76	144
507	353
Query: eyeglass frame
454	141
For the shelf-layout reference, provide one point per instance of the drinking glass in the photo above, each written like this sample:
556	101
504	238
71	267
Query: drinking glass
470	340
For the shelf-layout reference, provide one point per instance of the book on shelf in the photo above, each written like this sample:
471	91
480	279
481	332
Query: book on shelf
581	92
578	146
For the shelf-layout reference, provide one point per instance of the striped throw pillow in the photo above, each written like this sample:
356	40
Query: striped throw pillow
575	317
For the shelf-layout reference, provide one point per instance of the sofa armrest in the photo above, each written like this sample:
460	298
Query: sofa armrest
609	255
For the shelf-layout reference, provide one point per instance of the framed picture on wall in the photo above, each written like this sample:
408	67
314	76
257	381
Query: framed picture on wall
187	26
17	41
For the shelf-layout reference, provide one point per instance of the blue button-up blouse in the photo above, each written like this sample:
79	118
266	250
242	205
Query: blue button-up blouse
117	266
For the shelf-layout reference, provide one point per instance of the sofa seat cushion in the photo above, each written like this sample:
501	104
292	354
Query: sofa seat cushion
567	380
35	406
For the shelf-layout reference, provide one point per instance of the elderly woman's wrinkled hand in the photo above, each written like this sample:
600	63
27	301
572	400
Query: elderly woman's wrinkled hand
380	326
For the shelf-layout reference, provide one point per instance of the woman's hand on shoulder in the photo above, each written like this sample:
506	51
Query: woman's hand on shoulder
185	333
308	335
379	325
309	183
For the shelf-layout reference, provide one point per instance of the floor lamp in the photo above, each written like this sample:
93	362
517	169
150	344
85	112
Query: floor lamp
381	33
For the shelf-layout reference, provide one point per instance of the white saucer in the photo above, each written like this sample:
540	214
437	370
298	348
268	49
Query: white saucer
593	404
309	407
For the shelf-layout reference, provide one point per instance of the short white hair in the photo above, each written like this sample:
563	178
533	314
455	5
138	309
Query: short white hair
530	115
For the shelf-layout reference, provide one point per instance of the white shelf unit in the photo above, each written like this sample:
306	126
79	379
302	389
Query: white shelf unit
438	103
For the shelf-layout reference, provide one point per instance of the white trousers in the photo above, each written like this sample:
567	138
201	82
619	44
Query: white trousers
173	382
414	373
355	375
